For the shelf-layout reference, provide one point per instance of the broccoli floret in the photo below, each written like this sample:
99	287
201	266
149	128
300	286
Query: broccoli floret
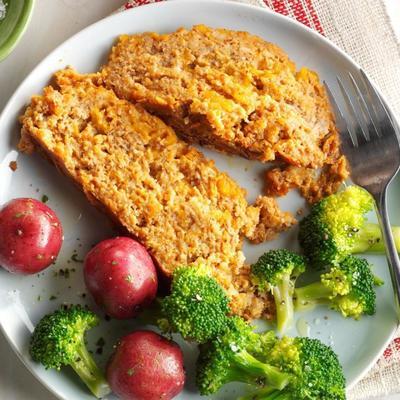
348	288
197	307
59	340
336	227
229	358
314	370
285	369
276	271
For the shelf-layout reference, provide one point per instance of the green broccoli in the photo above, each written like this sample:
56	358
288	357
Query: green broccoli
276	271
59	340
348	288
229	358
336	227
314	370
197	306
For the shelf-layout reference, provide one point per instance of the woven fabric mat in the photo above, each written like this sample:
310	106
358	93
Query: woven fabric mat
363	30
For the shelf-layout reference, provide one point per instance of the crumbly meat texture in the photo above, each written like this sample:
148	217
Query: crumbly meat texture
229	90
313	185
158	188
272	220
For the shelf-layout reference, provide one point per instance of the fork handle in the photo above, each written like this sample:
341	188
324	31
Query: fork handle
391	251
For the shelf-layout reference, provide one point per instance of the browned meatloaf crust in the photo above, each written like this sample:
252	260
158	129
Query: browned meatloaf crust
229	90
313	185
160	189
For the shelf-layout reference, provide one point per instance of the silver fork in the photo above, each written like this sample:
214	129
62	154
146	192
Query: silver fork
371	145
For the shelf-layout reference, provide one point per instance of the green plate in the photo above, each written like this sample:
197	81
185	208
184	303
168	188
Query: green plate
12	27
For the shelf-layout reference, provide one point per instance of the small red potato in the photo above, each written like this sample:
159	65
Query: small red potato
146	366
121	276
30	236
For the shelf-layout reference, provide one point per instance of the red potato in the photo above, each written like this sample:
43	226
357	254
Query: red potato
30	236
121	276
146	366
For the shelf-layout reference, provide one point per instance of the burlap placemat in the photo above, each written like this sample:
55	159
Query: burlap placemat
363	30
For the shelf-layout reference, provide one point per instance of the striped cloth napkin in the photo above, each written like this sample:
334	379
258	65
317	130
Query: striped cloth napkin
363	30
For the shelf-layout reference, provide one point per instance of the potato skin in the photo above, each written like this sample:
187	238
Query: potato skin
146	366
31	236
121	276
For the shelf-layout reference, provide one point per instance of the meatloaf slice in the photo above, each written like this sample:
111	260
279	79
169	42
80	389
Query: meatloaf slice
229	90
157	187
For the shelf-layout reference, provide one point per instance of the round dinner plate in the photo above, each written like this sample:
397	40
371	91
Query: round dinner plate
24	300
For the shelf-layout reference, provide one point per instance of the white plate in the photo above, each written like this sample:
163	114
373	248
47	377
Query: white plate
358	344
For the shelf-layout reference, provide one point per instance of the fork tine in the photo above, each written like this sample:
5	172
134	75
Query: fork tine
353	113
346	139
364	107
368	101
379	108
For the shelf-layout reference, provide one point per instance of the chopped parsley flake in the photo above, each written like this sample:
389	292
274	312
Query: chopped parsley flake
129	278
75	258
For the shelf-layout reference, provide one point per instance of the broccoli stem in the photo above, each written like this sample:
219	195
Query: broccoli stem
369	239
283	295
89	372
253	369
310	295
378	281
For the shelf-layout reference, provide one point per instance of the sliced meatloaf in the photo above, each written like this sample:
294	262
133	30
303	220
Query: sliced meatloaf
158	188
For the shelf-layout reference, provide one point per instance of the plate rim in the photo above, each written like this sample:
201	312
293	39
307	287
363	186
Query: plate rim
19	31
228	3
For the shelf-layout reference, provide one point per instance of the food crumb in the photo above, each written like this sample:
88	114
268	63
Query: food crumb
13	164
52	297
300	211
45	198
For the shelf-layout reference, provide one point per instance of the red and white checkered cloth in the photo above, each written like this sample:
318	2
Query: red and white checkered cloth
363	30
